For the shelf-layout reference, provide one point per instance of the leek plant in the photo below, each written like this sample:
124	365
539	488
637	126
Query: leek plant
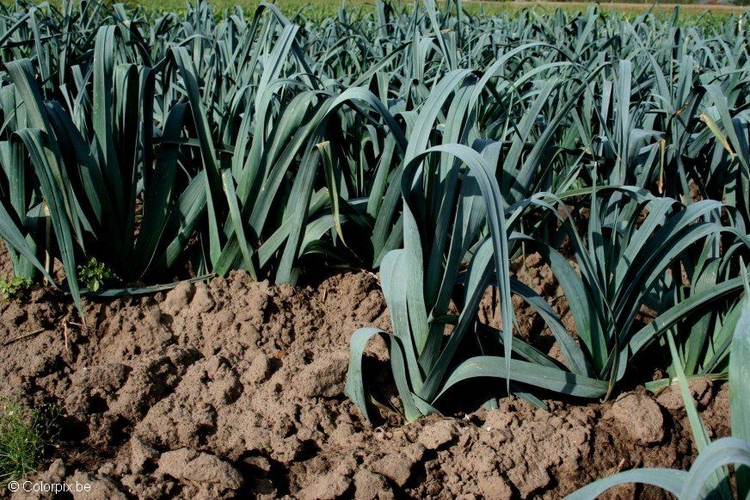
458	262
624	266
708	476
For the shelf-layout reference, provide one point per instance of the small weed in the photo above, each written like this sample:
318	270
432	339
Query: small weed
13	288
25	433
95	274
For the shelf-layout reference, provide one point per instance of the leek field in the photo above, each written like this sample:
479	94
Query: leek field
433	145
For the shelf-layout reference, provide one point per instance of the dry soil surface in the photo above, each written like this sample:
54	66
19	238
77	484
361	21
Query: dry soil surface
235	389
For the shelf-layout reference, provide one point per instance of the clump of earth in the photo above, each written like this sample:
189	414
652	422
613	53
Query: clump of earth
235	388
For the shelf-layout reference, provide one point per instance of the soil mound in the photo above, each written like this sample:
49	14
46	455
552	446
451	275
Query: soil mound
235	388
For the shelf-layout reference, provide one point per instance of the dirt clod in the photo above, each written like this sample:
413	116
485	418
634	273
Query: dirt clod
330	486
640	417
325	377
94	487
437	434
395	466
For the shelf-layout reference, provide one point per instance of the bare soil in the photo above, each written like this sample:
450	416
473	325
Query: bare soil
624	7
235	389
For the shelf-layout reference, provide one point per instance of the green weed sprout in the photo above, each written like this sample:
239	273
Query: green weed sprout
25	433
13	288
95	274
